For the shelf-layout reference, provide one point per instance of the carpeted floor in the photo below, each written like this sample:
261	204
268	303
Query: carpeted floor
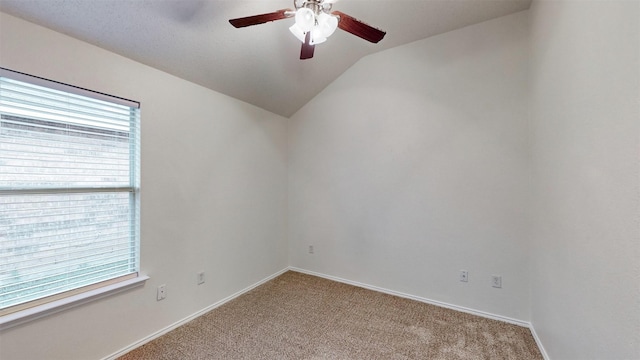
297	316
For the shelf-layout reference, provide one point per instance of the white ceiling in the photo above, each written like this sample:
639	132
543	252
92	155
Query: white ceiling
193	39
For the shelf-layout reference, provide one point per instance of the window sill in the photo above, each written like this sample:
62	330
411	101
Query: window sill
37	312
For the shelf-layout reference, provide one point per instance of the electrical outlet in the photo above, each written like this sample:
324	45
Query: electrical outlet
162	292
496	281
201	278
464	275
310	249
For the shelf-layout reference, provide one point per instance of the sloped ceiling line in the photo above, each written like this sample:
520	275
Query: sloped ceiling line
193	39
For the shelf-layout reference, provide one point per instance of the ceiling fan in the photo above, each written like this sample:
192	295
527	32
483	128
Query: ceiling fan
314	24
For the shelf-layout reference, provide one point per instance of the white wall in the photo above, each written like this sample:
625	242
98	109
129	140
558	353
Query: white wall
585	71
213	196
414	165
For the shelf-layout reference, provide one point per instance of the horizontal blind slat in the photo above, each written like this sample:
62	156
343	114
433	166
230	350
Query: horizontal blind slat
43	86
42	100
47	261
39	132
15	110
119	230
121	253
89	277
15	92
23	142
61	268
63	204
63	210
24	239
19	121
105	165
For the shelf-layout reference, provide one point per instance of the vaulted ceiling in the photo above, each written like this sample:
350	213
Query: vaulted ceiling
192	39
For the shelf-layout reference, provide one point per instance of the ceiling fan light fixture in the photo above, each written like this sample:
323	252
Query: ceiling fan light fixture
327	24
297	32
314	23
317	36
305	19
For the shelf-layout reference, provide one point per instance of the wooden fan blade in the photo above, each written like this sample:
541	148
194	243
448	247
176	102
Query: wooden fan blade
307	49
358	28
262	18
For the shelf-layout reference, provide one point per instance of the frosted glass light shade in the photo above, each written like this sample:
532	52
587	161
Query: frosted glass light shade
297	32
327	24
305	19
317	36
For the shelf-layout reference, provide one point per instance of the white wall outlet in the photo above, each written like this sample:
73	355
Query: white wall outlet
162	292
201	278
310	249
464	275
496	281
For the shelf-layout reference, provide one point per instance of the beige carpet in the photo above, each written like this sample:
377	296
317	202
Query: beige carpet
298	316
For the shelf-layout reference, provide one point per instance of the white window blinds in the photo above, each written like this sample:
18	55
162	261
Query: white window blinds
69	179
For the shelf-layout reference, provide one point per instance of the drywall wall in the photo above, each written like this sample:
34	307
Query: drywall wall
585	73
213	191
414	165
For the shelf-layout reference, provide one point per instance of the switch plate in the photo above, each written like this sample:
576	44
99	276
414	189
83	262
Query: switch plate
162	292
464	275
310	249
201	278
496	281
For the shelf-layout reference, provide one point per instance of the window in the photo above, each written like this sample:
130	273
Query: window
69	190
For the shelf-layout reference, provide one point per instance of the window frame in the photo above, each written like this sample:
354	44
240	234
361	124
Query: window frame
33	309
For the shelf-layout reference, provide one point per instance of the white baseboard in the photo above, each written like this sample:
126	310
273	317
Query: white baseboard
539	343
436	303
165	330
333	278
418	298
